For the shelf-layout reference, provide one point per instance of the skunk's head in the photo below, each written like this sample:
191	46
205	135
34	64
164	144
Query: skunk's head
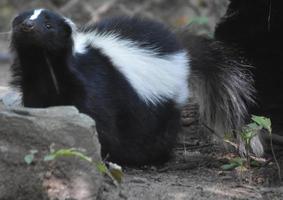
43	29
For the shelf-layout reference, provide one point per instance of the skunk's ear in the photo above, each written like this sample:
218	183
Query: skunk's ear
67	30
69	26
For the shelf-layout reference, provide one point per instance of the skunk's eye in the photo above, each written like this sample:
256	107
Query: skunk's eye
17	20
48	26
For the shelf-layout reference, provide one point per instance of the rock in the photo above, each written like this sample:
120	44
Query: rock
23	130
10	98
5	57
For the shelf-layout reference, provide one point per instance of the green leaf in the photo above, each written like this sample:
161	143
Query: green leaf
29	158
49	157
116	174
233	163
228	136
67	153
229	166
101	167
247	136
263	121
199	20
116	171
254	126
249	131
255	163
238	160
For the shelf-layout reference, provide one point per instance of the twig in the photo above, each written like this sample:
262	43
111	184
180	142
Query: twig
263	160
211	130
69	5
232	143
95	16
138	9
188	147
126	11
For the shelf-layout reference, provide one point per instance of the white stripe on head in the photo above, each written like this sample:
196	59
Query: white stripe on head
35	14
155	78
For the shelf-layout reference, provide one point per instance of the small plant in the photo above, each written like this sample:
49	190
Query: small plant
29	158
199	20
234	163
251	130
266	124
248	132
114	171
239	162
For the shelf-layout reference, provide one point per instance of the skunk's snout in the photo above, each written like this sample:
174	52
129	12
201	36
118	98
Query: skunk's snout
26	32
27	25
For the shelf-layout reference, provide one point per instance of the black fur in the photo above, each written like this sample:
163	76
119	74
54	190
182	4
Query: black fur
131	132
146	33
255	28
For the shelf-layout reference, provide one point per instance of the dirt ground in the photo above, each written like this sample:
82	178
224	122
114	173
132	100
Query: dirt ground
195	173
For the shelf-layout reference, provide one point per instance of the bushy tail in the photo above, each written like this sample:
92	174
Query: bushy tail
219	82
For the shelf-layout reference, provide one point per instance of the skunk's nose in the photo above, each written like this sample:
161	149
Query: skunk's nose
27	25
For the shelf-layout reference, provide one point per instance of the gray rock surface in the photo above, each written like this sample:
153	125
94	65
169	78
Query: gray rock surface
23	130
10	98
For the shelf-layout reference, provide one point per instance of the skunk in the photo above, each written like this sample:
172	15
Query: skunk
131	75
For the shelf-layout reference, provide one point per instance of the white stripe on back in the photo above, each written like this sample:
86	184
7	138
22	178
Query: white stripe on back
155	78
